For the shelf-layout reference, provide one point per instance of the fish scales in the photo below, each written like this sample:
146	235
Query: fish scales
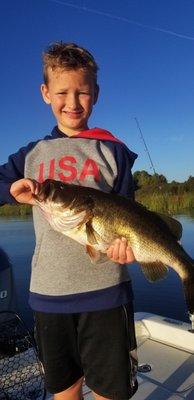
150	239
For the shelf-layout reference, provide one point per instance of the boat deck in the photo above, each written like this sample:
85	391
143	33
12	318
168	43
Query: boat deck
171	376
168	347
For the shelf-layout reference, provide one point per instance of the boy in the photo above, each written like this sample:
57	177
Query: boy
83	312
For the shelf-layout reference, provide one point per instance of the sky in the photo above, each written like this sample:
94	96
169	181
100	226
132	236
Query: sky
145	52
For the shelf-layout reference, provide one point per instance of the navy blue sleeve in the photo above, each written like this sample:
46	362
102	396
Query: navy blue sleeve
11	172
124	184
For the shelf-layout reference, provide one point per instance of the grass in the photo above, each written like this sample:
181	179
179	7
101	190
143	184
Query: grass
166	202
15	210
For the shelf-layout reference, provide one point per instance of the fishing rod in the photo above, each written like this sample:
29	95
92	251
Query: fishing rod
145	145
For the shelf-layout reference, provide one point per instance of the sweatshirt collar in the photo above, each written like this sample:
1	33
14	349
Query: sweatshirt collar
94	133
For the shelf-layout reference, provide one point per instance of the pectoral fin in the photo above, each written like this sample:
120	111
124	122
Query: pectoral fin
91	234
154	271
96	256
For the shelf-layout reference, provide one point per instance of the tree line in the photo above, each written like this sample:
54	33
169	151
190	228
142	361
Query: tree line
156	193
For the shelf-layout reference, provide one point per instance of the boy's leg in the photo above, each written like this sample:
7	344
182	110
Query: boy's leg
105	339
97	397
56	337
74	392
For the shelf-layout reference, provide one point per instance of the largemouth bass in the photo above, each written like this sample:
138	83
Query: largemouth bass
95	219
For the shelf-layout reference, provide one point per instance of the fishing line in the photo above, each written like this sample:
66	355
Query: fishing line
145	145
123	19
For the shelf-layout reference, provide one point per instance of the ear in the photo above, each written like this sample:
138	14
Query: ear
45	93
96	93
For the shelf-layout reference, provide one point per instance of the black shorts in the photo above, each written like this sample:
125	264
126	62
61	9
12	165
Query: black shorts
91	344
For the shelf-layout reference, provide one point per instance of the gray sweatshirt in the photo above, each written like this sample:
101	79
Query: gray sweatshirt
63	278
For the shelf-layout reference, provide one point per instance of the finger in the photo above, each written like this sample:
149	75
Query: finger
110	251
122	257
130	255
29	193
116	247
29	185
36	187
113	250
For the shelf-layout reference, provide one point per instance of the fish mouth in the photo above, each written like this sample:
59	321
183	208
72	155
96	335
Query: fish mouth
48	198
47	190
52	197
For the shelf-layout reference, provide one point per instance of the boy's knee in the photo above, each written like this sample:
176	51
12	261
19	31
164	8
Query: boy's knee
74	392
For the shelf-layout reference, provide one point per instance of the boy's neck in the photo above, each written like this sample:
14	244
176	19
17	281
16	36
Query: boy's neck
70	132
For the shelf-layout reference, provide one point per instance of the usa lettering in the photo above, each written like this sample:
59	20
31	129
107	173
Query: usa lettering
66	170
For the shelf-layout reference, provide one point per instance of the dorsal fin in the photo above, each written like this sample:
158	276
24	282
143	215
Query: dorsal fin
174	225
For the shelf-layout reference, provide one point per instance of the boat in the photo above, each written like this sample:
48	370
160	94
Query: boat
7	294
166	358
21	374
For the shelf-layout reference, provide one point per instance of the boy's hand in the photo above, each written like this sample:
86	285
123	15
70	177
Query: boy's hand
23	191
120	252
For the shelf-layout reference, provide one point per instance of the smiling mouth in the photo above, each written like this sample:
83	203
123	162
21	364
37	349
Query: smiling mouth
73	115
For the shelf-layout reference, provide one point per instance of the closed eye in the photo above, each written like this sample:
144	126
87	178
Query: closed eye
86	93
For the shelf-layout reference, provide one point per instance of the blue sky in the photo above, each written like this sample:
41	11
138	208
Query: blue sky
145	51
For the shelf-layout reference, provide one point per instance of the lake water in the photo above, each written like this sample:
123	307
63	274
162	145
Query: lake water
164	297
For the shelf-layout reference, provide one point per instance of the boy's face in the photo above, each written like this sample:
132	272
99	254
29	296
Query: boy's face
71	94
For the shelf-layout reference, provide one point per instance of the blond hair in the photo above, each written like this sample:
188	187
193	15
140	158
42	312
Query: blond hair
68	56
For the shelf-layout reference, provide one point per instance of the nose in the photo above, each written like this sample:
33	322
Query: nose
72	101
